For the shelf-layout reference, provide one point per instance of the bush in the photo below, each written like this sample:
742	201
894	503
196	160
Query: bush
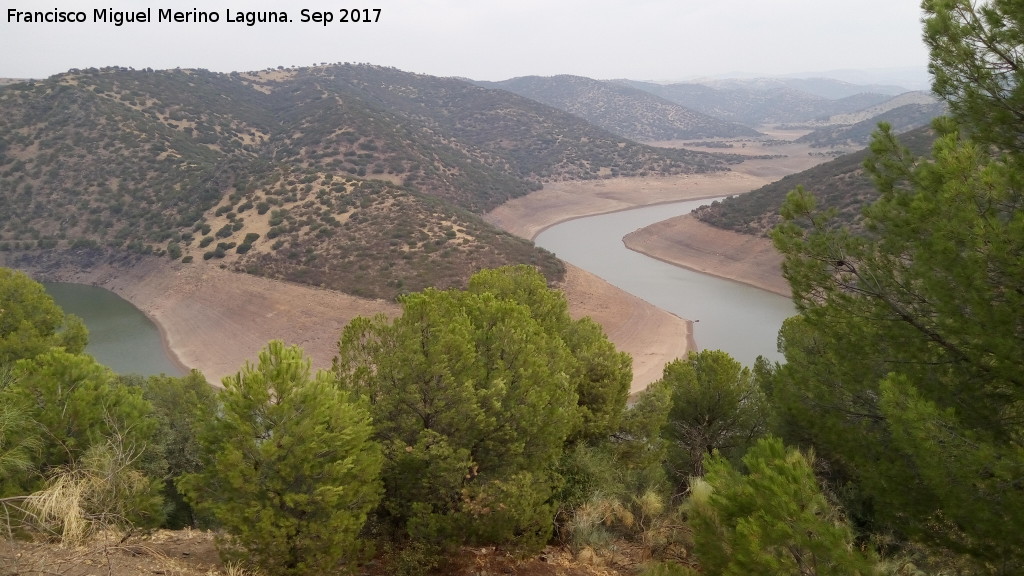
291	470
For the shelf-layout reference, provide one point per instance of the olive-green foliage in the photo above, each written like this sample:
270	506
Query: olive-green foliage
18	441
31	322
600	374
181	406
772	519
715	405
904	368
76	405
474	398
978	67
290	470
910	343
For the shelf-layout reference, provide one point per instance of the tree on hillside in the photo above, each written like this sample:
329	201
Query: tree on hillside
978	66
715	405
475	394
76	406
31	322
472	402
770	518
18	441
905	365
600	374
181	407
290	469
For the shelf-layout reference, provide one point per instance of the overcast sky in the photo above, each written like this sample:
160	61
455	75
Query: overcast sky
488	39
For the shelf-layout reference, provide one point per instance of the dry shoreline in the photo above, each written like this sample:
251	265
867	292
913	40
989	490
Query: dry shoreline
529	215
216	320
689	243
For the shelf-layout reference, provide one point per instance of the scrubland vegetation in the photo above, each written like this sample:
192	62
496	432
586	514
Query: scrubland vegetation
888	442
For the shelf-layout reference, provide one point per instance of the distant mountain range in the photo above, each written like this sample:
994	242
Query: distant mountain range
361	178
631	112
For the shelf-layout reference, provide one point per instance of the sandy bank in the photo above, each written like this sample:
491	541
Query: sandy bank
649	334
215	320
560	201
688	242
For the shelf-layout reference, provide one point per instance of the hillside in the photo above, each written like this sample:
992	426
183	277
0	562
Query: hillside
623	110
841	184
904	113
758	104
298	174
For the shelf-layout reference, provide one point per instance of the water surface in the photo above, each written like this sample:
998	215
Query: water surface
121	337
740	319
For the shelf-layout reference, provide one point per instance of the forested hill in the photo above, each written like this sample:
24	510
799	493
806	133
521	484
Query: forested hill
625	110
312	174
754	104
841	184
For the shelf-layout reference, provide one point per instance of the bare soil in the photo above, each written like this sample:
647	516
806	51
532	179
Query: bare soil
650	335
687	242
216	320
194	553
557	202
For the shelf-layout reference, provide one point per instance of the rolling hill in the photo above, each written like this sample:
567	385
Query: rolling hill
904	113
756	104
623	110
356	177
841	184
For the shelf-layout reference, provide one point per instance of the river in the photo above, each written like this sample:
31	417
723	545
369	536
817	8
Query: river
739	319
121	337
730	316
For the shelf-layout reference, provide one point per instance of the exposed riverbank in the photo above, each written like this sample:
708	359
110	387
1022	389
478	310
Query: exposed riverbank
687	242
216	320
529	215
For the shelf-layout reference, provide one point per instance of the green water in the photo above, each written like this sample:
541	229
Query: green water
120	335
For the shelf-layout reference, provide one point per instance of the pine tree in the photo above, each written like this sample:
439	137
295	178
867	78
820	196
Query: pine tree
474	397
772	519
290	467
904	368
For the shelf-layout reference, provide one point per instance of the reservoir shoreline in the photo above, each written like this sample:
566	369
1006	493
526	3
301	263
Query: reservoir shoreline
216	320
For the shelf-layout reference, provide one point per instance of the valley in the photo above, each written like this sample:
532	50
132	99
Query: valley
302	198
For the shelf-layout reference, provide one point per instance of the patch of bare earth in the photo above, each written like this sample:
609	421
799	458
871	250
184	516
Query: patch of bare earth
557	202
687	242
194	553
652	336
216	320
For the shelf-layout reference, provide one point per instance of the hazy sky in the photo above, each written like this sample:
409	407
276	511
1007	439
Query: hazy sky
487	39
